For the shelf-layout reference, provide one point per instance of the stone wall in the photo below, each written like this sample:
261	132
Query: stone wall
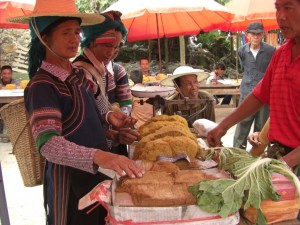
10	39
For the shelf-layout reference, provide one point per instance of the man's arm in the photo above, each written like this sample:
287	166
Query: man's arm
293	158
248	107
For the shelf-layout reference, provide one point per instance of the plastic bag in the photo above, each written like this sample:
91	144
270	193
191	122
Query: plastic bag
203	126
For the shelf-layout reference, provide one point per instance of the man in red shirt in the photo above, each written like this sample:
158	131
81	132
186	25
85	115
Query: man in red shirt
279	88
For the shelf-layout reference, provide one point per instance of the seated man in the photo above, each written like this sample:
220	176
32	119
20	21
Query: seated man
142	111
186	80
6	76
144	74
213	79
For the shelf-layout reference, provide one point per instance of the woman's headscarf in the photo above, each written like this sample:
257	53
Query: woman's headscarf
99	31
40	26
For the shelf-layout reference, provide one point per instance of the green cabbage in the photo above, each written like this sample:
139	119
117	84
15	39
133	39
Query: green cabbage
251	183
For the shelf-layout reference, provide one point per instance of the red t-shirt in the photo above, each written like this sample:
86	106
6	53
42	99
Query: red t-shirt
280	88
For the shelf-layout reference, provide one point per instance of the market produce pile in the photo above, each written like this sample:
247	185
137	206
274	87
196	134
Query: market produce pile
248	182
164	184
166	136
252	183
158	77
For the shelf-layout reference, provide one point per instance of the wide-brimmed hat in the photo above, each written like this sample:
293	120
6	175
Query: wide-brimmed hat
59	8
182	71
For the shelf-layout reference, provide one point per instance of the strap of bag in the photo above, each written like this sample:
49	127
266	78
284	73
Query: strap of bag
97	76
115	67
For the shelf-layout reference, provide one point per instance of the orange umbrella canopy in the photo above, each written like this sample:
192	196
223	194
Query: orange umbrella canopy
151	19
13	8
247	11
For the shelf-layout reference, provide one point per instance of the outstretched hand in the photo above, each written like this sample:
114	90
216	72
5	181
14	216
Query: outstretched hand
127	136
254	139
214	136
119	119
119	163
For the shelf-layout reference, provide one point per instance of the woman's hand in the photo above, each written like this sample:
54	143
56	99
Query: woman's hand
120	119
127	136
119	163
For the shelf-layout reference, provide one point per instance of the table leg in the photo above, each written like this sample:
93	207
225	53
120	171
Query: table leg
3	206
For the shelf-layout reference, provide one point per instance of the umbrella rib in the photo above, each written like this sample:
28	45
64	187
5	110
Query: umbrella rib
162	22
216	12
194	21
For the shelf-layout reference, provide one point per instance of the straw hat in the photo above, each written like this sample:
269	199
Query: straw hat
60	8
182	71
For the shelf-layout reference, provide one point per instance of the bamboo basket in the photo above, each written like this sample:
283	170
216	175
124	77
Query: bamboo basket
30	162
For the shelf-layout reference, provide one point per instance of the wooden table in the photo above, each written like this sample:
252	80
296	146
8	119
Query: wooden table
231	88
244	221
4	217
7	96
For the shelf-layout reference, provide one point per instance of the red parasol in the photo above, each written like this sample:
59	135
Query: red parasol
247	11
153	19
14	8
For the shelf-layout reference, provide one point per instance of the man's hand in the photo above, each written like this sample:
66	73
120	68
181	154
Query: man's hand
120	119
214	136
254	139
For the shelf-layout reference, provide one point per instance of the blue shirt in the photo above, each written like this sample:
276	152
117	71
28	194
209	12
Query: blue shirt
254	68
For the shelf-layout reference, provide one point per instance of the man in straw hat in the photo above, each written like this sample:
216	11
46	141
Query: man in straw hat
99	45
186	80
64	117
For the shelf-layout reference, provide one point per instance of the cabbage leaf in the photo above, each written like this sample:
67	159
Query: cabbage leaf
251	183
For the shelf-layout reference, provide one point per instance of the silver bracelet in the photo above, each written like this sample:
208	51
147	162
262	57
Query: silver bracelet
106	116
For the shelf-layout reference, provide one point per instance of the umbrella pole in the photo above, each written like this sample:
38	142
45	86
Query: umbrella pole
236	57
158	42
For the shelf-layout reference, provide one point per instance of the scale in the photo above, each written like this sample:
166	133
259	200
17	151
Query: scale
159	98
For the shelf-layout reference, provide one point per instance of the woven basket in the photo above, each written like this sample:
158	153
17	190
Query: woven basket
30	161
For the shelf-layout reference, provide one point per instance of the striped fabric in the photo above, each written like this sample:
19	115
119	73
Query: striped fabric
280	89
109	37
123	94
62	108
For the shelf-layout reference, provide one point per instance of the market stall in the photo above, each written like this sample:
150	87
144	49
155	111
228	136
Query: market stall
186	183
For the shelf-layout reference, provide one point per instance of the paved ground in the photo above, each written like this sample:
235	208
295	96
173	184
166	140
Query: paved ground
25	204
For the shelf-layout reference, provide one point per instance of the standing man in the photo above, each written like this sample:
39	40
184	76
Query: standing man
279	88
144	74
254	58
6	76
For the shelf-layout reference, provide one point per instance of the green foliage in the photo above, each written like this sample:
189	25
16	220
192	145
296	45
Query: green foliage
222	2
253	183
216	43
93	6
20	76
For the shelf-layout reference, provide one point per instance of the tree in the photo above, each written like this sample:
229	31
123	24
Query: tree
223	2
93	6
